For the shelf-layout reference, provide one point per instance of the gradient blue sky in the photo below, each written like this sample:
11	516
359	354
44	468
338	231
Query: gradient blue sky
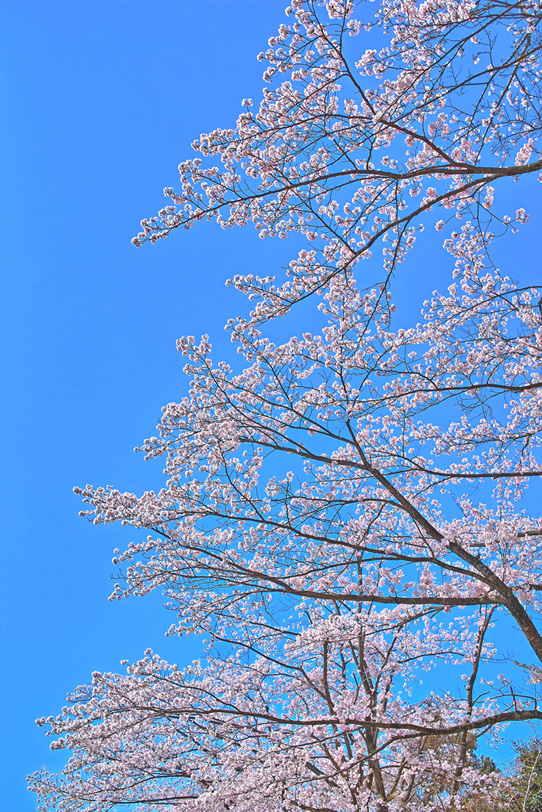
101	100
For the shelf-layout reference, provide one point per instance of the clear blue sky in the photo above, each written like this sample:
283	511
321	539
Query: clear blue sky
101	100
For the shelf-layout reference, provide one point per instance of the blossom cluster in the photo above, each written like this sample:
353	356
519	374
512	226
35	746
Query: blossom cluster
345	516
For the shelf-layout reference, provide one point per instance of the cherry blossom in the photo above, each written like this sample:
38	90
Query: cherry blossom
345	516
342	521
372	117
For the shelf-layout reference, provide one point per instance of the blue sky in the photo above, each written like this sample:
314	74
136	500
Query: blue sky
101	100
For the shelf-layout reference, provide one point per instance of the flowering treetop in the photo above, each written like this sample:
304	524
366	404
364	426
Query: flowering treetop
346	518
372	116
322	524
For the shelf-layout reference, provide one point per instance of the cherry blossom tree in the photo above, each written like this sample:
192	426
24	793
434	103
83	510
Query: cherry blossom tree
377	120
345	516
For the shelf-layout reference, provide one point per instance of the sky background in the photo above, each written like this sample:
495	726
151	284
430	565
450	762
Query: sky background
100	102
